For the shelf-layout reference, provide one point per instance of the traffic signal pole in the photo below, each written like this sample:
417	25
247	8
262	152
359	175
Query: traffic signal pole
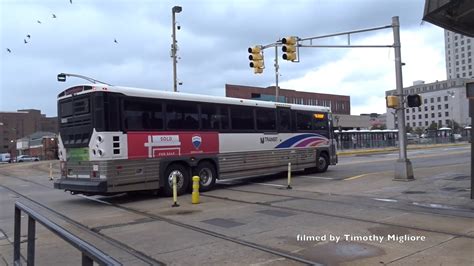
277	89
403	166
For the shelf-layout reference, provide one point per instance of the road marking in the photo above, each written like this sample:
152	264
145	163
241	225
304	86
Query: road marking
389	200
268	184
317	177
354	177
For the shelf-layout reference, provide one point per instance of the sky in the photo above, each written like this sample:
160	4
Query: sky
213	42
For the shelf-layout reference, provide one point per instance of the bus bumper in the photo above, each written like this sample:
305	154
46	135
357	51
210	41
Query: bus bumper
82	186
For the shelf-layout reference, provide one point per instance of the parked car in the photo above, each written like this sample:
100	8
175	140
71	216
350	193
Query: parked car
5	158
26	158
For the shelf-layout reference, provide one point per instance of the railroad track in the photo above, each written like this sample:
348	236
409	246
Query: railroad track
154	217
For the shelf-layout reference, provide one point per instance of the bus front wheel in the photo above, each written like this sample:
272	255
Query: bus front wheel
323	163
182	179
207	176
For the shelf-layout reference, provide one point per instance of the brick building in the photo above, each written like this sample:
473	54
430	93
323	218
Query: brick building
340	104
16	125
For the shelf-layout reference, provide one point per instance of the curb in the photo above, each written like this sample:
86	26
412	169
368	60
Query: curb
414	147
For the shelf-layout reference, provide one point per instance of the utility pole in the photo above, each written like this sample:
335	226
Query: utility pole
174	48
277	89
403	167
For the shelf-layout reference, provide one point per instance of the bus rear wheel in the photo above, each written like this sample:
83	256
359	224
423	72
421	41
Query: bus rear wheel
207	176
182	179
323	163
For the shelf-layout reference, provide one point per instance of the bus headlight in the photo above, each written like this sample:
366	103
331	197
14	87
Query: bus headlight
100	138
101	152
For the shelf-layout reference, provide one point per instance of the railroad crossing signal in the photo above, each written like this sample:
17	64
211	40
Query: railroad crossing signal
289	48
256	59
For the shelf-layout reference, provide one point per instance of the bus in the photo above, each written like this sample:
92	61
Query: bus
119	139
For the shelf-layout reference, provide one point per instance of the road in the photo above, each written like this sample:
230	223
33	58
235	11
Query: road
258	221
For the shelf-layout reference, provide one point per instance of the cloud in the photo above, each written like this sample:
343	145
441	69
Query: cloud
213	43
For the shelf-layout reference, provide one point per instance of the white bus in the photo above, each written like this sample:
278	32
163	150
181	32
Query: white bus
119	139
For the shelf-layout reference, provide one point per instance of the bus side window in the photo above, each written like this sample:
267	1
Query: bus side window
208	116
284	120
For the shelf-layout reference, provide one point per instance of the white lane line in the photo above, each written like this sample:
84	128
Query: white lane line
269	184
388	200
432	205
316	177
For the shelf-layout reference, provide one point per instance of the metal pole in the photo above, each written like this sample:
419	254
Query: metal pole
173	50
276	75
31	241
16	237
403	167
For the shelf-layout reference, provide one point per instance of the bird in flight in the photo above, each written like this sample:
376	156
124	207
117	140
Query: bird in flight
70	1
28	36
39	22
8	50
115	41
54	16
24	40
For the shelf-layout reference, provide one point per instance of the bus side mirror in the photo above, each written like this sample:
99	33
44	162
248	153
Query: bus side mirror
61	77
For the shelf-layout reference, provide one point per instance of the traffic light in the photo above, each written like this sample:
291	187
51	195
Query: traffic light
256	59
289	48
414	100
392	101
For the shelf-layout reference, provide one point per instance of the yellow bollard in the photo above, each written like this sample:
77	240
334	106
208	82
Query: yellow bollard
289	176
195	194
50	171
175	192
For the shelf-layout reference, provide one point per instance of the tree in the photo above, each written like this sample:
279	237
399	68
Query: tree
433	126
419	131
409	129
456	125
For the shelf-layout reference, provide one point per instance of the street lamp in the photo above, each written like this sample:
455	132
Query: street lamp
174	48
452	95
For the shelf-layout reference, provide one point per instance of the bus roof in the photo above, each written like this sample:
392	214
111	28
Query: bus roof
148	93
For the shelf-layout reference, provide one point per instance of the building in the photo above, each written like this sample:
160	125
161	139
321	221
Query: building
377	121
339	104
43	145
459	51
16	125
443	101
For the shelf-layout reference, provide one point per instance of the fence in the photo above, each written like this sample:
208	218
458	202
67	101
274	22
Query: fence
89	252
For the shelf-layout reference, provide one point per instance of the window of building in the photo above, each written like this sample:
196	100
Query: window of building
446	113
426	108
408	110
439	99
414	124
446	106
440	123
419	124
414	116
448	122
426	115
439	106
439	114
431	100
445	98
426	123
432	115
425	101
408	117
432	107
419	116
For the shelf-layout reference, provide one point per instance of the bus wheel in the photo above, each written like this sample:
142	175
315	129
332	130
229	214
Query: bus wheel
207	176
323	163
182	179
